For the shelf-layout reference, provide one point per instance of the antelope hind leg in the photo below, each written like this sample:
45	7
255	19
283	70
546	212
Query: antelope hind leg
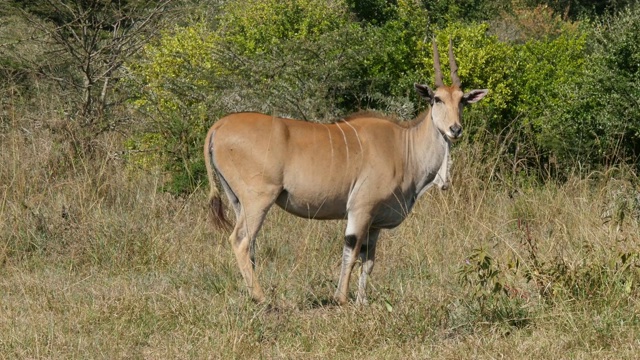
243	242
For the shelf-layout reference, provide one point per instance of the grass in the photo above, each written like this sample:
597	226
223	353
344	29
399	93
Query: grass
96	263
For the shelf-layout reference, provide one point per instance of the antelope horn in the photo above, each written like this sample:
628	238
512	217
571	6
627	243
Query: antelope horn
436	65
454	67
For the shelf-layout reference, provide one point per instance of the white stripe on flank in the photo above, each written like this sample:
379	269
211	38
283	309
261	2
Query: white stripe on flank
357	136
346	145
331	146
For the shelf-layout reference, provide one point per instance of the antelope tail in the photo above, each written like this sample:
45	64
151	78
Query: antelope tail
216	207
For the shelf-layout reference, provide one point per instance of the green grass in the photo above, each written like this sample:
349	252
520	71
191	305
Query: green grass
96	263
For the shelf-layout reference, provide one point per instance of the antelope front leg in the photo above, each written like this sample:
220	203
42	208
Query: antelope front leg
357	230
348	261
367	257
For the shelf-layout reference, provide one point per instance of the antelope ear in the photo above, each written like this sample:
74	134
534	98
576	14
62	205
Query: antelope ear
474	96
424	91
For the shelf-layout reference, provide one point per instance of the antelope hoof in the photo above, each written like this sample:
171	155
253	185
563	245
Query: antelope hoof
258	297
362	302
258	300
340	299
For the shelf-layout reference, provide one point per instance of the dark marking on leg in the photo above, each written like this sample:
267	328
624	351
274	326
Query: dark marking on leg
350	241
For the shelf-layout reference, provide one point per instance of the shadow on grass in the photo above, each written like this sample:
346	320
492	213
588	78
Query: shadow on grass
321	302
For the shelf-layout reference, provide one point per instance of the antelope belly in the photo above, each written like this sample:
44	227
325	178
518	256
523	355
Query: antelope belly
313	206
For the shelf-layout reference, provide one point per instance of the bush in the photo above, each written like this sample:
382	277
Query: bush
587	114
574	92
547	68
393	58
605	109
174	76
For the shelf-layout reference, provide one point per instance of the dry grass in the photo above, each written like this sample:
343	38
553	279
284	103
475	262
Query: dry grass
98	264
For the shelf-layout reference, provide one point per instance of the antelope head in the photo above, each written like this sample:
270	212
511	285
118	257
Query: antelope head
447	101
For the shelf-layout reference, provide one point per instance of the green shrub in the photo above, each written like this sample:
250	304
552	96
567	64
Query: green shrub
575	93
604	106
546	68
395	51
493	298
256	27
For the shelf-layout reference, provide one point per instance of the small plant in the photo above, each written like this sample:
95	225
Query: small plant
593	279
481	273
622	204
493	298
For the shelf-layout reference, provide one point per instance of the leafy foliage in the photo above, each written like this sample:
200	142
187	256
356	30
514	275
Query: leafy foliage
548	67
395	50
596	109
444	12
493	298
176	92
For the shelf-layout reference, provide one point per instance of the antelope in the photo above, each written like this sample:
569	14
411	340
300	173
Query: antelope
365	168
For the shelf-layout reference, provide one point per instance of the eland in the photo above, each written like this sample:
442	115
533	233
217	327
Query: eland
365	169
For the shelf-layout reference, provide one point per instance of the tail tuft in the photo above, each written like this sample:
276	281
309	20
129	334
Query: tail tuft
216	207
216	211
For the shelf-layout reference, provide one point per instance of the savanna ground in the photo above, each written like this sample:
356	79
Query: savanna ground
97	263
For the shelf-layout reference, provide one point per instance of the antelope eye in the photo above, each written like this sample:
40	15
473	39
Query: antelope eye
437	100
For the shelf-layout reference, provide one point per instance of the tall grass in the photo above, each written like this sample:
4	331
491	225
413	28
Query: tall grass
96	262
